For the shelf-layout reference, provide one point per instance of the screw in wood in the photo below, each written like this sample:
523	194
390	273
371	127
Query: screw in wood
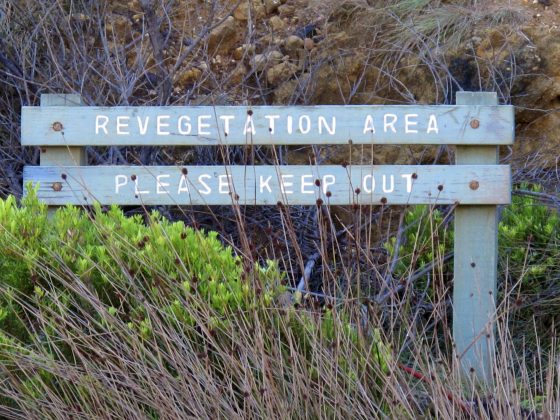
473	185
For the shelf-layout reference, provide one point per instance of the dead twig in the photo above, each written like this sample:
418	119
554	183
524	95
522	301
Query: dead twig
412	278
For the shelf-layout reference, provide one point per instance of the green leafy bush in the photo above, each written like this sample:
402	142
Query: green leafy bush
109	251
529	242
92	300
427	238
530	239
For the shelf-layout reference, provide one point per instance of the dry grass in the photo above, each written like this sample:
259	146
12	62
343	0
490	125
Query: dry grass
389	352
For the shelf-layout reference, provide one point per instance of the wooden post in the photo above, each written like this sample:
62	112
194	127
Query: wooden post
475	272
61	155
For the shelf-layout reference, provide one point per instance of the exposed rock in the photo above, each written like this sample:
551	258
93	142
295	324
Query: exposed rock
272	39
293	45
243	51
286	92
276	23
188	77
261	62
275	57
238	74
278	41
238	53
249	8
241	12
280	72
223	38
308	44
537	96
217	60
271	5
286	10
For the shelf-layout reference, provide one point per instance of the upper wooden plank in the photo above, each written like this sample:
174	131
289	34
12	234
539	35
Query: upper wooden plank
236	125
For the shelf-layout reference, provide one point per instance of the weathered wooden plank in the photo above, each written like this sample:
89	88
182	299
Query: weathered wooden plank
475	266
328	124
268	185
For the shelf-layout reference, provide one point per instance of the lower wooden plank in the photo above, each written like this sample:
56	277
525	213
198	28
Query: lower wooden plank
269	185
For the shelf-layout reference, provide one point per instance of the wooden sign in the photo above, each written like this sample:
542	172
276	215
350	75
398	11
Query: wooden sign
356	124
476	184
269	185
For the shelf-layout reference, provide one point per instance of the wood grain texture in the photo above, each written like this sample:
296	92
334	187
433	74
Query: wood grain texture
475	266
328	124
268	185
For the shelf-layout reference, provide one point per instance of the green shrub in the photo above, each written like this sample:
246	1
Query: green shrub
88	297
426	238
109	251
528	238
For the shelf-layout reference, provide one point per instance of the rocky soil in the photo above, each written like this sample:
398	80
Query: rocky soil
309	52
316	52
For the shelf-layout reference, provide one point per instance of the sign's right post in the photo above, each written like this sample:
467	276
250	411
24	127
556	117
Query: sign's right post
475	267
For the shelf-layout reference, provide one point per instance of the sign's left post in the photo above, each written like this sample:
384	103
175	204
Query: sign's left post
62	155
